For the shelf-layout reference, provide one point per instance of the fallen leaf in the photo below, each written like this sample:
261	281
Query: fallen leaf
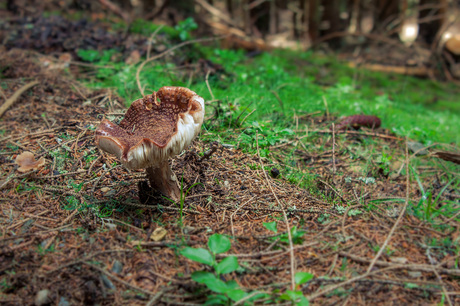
27	162
158	234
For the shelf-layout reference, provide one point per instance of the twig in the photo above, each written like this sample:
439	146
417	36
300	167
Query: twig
350	281
291	246
240	302
156	298
116	9
356	133
69	217
15	96
149	47
440	280
335	191
239	207
401	215
333	150
207	84
267	253
216	12
119	279
410	267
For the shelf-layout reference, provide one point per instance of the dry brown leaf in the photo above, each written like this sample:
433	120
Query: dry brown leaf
27	162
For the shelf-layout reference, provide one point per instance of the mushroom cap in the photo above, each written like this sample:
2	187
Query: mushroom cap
154	128
453	44
27	162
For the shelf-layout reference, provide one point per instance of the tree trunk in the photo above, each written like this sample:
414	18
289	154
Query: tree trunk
432	16
331	17
386	11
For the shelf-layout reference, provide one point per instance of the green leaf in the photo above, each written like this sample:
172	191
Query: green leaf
217	286
198	254
271	226
232	284
290	295
211	281
227	265
219	244
203	277
302	277
303	302
217	299
236	294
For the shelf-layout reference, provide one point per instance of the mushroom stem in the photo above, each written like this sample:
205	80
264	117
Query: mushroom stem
162	179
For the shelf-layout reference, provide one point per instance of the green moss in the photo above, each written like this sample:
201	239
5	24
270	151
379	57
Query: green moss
277	85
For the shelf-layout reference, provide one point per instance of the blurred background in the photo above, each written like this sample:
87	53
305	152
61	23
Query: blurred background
412	37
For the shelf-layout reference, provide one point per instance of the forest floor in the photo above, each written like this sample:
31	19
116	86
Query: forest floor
79	230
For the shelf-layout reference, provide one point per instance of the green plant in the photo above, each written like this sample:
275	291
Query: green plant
183	195
427	209
226	291
184	28
93	56
297	235
296	296
324	218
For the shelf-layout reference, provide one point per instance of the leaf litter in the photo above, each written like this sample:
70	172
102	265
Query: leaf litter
80	226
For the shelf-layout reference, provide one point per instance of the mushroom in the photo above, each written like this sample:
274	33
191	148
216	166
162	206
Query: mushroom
27	162
154	128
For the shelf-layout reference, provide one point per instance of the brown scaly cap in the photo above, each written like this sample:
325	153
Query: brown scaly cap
27	162
154	128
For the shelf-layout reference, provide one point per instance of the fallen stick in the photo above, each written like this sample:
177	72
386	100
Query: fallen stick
15	96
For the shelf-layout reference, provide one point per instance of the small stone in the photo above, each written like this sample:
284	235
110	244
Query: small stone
107	282
414	274
417	147
63	302
111	226
226	184
158	234
105	189
117	267
42	297
400	260
396	165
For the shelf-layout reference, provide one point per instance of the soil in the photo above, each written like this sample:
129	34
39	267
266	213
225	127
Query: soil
78	230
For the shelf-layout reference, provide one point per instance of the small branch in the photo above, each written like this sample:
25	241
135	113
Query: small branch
115	8
333	151
410	267
151	40
15	96
207	84
291	245
401	215
150	293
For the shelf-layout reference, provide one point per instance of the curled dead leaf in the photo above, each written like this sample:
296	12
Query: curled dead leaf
158	234
27	162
